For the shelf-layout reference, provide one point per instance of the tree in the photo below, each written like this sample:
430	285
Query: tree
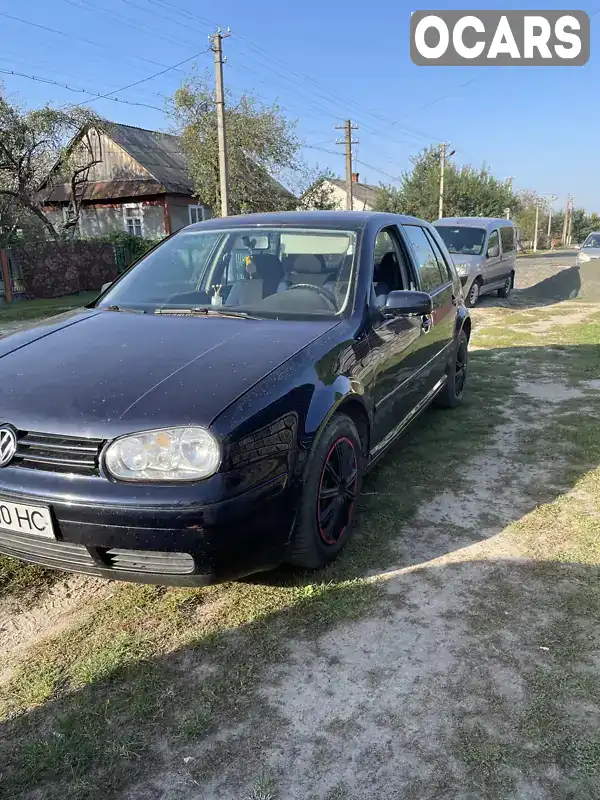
316	190
261	145
583	224
468	191
34	151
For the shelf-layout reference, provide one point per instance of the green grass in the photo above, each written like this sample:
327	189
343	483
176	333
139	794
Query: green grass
18	578
153	671
29	310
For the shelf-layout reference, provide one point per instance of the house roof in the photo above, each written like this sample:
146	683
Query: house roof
363	193
160	153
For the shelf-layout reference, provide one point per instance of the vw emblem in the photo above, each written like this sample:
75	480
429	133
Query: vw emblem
8	446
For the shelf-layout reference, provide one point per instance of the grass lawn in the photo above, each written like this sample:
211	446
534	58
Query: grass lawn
473	576
25	310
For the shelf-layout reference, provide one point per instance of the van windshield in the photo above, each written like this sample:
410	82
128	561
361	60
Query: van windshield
466	241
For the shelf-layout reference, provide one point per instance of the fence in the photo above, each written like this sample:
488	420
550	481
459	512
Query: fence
51	269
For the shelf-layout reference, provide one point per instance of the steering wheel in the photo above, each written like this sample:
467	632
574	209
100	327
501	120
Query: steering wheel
320	290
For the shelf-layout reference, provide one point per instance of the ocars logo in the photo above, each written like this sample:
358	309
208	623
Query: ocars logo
500	38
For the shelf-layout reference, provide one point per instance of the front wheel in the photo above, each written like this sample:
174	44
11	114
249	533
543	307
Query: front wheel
508	286
453	392
328	502
473	294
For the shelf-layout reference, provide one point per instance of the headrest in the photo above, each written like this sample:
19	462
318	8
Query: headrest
308	265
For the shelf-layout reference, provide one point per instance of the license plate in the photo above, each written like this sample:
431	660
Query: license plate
34	520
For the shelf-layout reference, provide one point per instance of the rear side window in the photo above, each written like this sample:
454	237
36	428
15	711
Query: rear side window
508	239
430	271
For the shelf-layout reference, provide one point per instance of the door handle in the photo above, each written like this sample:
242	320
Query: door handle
427	323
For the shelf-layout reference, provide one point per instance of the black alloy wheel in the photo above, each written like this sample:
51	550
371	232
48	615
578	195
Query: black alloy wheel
337	490
331	485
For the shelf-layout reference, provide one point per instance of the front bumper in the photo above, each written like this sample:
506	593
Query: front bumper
182	545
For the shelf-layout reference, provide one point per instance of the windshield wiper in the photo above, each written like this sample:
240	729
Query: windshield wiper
207	312
121	308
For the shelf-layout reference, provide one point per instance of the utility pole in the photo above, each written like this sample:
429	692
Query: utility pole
566	220
217	48
537	220
551	199
507	212
442	171
570	226
509	182
348	141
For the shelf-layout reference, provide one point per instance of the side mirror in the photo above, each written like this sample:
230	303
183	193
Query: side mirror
577	247
106	286
493	252
401	303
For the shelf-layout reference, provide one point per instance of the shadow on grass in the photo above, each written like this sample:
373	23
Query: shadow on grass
176	725
122	713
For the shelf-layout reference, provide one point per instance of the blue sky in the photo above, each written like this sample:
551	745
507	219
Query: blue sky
323	61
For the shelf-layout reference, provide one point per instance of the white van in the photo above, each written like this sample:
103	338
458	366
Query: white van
484	251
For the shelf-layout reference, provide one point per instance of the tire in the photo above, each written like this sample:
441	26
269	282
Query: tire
318	537
508	286
474	293
453	392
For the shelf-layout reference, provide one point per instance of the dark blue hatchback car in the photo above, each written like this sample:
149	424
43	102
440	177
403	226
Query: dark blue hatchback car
214	411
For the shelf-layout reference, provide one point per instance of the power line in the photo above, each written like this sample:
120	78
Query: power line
71	37
151	77
95	95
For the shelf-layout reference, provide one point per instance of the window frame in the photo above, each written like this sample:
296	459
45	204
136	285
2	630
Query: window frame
443	282
139	207
437	251
514	246
487	247
196	207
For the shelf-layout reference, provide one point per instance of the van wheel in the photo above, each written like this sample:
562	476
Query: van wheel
474	293
508	286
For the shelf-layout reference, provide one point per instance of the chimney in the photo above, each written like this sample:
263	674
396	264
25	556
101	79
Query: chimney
355	177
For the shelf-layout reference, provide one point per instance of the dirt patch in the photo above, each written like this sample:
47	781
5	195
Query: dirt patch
61	606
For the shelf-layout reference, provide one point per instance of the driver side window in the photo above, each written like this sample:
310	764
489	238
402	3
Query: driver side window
389	270
493	248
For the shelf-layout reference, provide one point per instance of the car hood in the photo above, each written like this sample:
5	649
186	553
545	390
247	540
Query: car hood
102	373
459	258
591	252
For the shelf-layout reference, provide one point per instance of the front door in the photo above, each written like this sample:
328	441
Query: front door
394	341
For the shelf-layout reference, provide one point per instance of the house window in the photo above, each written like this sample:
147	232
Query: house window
134	219
197	214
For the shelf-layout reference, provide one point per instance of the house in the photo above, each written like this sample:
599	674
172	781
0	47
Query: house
138	183
363	194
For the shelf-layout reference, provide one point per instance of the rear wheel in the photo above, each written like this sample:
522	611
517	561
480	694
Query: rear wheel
474	293
452	394
508	286
328	503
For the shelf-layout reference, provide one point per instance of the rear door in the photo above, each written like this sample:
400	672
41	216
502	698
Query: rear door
435	278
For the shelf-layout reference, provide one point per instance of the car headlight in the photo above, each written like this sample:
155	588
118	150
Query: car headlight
583	257
170	454
462	270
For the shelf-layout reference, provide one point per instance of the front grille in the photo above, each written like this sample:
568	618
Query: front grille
57	453
47	552
150	561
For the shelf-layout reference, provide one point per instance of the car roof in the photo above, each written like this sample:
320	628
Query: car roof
305	219
475	222
592	233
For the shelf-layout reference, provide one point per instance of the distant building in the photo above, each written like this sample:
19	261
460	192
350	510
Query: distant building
363	194
139	185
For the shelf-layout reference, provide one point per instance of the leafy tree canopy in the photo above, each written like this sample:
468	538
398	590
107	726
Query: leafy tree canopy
468	192
262	146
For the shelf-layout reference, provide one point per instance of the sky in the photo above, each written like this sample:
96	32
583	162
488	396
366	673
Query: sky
323	62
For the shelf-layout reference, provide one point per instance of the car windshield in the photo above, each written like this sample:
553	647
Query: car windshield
466	241
260	271
593	240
